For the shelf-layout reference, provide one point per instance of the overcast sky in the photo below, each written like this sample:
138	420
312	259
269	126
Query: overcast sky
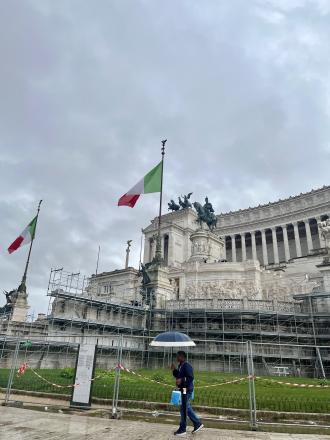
89	88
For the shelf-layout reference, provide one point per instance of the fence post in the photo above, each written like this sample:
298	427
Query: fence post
117	379
319	357
252	391
12	372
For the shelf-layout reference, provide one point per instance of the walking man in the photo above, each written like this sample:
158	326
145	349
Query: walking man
184	375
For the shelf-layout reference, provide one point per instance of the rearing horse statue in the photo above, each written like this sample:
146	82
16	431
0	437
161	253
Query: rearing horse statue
205	216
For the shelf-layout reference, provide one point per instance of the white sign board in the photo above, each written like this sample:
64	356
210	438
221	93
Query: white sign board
81	395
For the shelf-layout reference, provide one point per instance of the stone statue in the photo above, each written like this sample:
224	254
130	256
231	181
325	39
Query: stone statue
324	228
128	250
147	293
172	206
208	206
145	276
206	214
185	203
10	301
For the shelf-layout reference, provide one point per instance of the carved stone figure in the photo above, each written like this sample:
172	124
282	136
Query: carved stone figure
324	228
221	289
147	293
145	276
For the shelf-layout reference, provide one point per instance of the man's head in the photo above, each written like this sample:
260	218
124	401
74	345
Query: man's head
181	356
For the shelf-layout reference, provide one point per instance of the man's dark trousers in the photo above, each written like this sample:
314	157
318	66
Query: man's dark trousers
186	410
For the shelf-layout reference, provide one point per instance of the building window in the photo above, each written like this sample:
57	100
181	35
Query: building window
150	248
166	240
107	288
84	313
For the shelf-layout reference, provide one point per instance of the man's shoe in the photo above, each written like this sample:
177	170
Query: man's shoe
180	433
197	428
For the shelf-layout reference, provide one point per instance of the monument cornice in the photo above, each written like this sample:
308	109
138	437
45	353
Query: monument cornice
167	225
314	194
169	219
239	221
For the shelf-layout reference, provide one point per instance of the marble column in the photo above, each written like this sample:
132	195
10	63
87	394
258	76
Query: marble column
224	249
286	243
264	247
275	246
233	249
308	236
322	242
243	246
297	239
254	246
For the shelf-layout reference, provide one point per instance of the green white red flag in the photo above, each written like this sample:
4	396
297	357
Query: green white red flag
150	183
25	237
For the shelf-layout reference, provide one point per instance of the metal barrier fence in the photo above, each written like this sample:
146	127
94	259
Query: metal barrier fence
242	375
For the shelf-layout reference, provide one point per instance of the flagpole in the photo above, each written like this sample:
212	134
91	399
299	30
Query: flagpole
97	261
158	256
22	286
141	245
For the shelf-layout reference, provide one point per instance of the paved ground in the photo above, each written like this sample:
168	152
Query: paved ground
21	424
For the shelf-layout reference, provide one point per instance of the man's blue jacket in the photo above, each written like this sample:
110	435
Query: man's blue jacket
185	372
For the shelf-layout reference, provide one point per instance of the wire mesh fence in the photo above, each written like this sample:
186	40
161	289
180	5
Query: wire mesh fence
238	375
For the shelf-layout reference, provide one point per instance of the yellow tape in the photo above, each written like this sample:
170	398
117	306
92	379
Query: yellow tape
65	386
296	385
171	385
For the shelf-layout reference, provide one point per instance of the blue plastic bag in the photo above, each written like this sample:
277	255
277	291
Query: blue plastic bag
176	398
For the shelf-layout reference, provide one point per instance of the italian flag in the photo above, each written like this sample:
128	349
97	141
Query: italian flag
150	183
25	237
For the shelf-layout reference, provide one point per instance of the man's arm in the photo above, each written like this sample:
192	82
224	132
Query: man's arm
176	372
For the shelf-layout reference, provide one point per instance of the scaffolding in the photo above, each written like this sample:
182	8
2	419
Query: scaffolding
298	328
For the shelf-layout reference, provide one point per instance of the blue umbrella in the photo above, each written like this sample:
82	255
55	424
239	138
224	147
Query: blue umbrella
172	339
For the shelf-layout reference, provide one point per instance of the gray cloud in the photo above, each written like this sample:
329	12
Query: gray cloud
88	90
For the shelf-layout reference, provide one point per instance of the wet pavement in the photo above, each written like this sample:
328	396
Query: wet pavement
21	424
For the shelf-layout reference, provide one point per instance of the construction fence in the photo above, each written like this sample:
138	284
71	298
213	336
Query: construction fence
241	375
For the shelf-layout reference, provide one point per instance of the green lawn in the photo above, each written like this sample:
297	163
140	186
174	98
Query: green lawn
269	395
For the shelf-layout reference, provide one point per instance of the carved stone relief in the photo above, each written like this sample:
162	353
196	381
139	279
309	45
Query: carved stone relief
221	289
